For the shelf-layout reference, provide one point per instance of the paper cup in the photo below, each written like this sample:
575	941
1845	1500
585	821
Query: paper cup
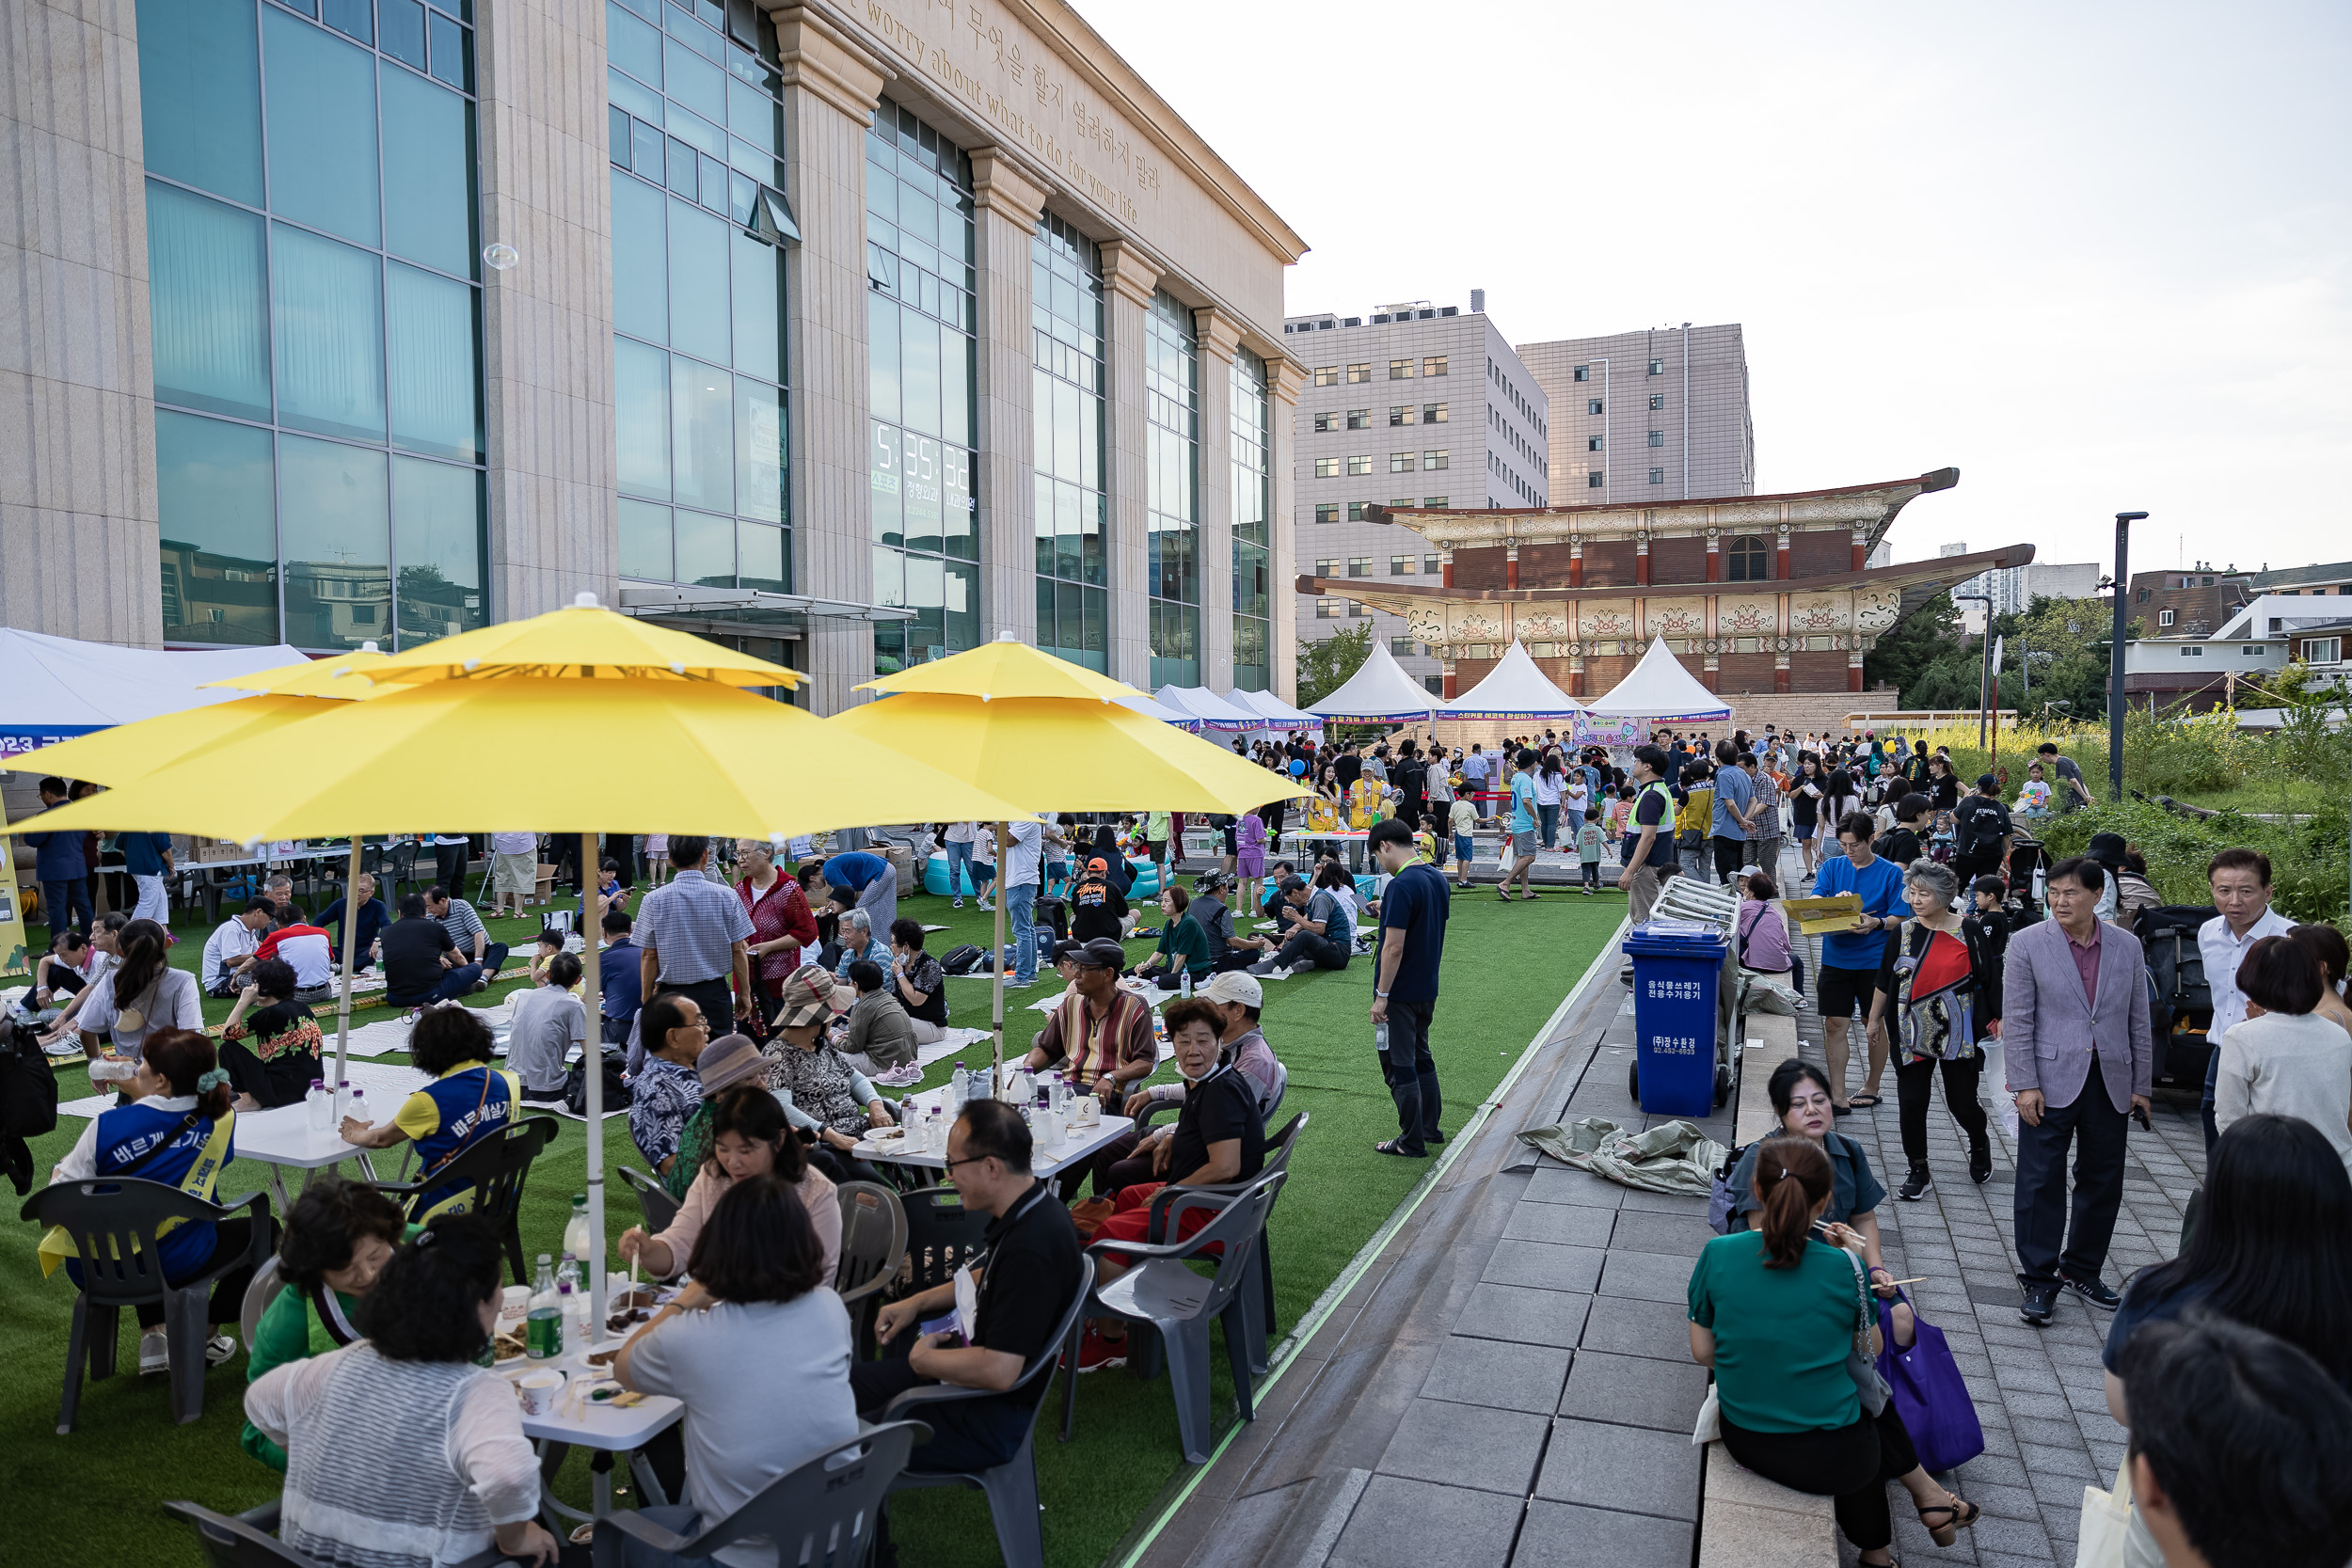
539	1391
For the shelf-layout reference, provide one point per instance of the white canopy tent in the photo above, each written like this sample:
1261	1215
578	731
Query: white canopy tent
1515	688
1161	711
1213	711
1661	689
55	688
1278	714
1380	691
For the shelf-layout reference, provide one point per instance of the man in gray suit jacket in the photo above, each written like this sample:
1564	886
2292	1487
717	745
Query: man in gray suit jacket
2074	1035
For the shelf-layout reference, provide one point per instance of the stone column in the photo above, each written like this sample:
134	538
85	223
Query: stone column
1861	552
1714	557
1640	559
831	87
1221	336
1853	670
1780	555
546	322
1510	563
1285	379
1445	563
1576	560
1008	204
1128	277
78	511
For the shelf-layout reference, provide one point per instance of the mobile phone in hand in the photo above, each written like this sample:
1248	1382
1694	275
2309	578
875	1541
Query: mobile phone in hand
2140	1114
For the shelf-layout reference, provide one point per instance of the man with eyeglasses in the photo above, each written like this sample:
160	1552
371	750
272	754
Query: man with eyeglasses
1019	1285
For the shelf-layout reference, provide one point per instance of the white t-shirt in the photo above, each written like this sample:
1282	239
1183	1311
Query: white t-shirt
1548	788
312	956
1020	868
231	940
960	832
1576	798
172	1002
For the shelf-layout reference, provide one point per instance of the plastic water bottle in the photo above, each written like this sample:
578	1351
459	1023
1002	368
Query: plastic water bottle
342	1100
542	1321
571	1300
960	1086
318	1107
1381	1036
576	1242
357	1105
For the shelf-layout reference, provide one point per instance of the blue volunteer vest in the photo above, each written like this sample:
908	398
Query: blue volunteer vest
471	1110
191	1161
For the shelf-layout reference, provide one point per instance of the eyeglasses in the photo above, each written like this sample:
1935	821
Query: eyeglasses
968	1160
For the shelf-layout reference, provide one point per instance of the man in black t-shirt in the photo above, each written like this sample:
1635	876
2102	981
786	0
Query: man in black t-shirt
1980	832
1413	912
1348	769
1411	775
1097	908
420	961
1025	1278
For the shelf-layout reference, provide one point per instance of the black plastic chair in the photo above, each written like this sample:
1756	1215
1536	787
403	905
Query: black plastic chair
240	1542
400	868
1010	1487
942	1233
114	1222
1259	1302
497	1168
873	1241
653	1200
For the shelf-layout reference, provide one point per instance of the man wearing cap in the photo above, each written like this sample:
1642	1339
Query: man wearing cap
1981	833
1101	1032
1097	908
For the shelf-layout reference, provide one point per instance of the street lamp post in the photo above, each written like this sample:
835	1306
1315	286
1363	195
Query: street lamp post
1984	674
2123	521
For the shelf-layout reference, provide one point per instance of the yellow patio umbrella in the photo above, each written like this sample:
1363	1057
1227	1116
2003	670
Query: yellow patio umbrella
583	641
342	675
1031	727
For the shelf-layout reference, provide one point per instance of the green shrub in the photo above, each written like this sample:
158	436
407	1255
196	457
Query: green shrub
2308	858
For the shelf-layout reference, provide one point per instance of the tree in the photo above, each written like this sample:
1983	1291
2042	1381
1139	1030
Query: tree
1906	650
1324	663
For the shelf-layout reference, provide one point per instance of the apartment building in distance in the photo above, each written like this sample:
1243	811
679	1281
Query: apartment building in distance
2013	589
1409	406
1641	419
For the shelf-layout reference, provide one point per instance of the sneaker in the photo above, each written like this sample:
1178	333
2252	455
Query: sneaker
959	903
219	1348
2095	1291
1915	1186
1980	1164
1095	1352
154	1352
2040	1306
901	1077
1263	969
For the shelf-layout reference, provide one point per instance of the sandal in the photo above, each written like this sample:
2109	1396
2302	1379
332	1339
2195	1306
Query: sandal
1388	1147
1504	895
1863	1102
1959	1515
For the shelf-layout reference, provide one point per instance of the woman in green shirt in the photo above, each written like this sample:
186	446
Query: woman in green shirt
1774	1312
1183	945
338	1236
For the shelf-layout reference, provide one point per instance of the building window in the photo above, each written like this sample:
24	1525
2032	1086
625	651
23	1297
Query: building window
1172	410
1328	568
1593	443
1327	467
1070	529
1326	609
1658	367
1657	399
1253	525
1400	565
1657	476
1584	373
1360	464
1745	559
1359	565
1592	406
1436	459
1595	480
1433	365
1432	501
1355	610
1657	437
1433	413
1405	413
2164	617
361	327
1360	418
2322	650
1401	646
1400	462
1359	372
1328	420
1327	512
1356	511
1400	370
2250	650
2194	652
1434	683
1326	375
1432	565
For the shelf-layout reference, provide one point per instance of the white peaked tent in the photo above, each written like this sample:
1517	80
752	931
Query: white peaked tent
1661	689
1213	711
1161	711
1380	690
1515	688
1278	714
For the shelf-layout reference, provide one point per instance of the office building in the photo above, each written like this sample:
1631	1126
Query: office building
1644	418
2013	589
855	335
1409	406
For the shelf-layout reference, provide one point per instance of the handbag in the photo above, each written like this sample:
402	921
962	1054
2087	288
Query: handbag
616	1091
1860	1365
1710	1423
2106	1520
1930	1394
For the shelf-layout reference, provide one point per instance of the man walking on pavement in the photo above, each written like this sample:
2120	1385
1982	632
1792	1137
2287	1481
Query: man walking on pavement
1650	846
2076	1037
2240	879
1413	911
1982	834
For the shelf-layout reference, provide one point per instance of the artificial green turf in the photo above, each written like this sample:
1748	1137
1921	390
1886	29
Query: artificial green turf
1507	969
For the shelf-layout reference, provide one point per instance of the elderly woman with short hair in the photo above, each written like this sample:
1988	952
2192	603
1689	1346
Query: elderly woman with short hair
783	928
1946	1003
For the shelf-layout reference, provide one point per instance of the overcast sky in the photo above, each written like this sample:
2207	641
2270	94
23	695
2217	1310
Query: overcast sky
2097	255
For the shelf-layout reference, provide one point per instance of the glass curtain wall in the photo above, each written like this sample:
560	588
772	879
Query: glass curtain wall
699	222
921	313
1066	415
1171	396
1253	506
315	303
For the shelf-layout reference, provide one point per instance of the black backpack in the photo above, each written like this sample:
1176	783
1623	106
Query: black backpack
961	960
28	1101
2176	966
616	1095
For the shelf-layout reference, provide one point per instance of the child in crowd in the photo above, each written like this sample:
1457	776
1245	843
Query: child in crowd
1620	811
1464	819
550	942
1425	838
657	859
1590	841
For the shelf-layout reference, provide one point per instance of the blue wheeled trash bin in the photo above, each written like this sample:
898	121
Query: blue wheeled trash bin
1677	967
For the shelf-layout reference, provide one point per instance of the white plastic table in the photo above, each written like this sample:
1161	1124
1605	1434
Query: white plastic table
284	1136
598	1427
1073	1149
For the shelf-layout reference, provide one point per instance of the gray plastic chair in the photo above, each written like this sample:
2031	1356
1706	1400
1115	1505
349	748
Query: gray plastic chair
496	1166
114	1222
820	1515
240	1542
268	1282
873	1241
1010	1487
653	1200
1259	1301
1179	1305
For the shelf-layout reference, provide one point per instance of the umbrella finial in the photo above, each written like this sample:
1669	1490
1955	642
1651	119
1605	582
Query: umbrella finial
369	647
584	599
1006	636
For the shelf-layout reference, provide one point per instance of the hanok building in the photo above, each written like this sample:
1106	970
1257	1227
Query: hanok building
1768	599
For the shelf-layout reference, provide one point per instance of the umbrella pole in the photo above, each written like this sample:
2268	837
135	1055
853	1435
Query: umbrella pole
592	1058
997	1047
351	936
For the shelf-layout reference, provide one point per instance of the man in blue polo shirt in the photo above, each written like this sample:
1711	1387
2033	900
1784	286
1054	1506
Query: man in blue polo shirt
1851	961
1413	911
875	882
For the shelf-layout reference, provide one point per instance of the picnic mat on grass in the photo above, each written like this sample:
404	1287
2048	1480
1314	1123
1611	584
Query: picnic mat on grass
1674	1158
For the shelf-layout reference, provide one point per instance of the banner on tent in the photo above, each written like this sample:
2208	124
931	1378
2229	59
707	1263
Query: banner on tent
1590	731
15	743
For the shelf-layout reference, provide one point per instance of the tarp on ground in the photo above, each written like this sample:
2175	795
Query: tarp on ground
1662	690
1674	1157
1514	689
55	688
1381	691
1214	712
